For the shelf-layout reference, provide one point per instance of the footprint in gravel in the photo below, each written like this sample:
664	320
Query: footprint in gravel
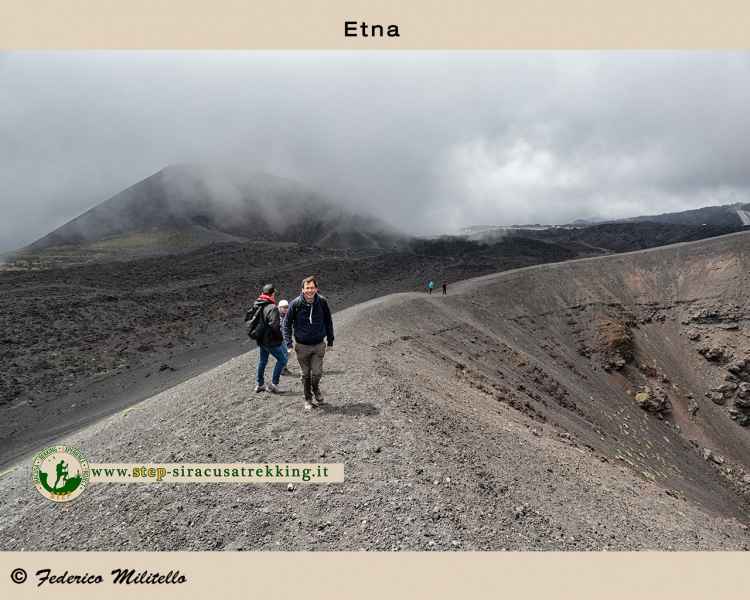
361	409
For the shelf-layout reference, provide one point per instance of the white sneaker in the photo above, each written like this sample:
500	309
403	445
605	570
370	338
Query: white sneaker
260	388
274	389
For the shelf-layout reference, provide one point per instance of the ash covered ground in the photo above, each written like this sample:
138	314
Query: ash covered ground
588	405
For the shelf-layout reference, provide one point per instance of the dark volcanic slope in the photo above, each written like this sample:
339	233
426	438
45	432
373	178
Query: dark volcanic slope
186	206
721	216
526	410
626	237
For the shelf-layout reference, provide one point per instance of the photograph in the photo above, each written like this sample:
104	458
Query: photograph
381	301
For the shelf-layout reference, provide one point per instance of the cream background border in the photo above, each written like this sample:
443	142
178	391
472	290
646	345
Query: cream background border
377	575
233	24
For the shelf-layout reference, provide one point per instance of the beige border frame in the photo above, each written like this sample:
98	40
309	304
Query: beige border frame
428	24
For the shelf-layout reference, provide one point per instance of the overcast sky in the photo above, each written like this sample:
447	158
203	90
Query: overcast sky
428	141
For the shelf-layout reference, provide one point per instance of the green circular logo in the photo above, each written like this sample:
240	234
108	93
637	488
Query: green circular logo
60	473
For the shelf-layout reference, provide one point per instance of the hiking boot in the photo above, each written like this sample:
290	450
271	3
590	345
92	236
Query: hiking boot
260	388
273	388
316	390
307	386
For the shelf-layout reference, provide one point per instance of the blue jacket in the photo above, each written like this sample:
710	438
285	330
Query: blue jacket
309	323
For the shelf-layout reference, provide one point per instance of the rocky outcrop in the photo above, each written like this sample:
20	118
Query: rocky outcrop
713	353
614	341
653	400
735	391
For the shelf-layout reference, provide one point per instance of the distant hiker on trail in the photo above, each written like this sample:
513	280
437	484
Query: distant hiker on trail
263	323
308	322
430	285
283	312
445	288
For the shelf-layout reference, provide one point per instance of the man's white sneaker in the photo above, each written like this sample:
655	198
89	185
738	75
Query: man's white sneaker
260	388
274	389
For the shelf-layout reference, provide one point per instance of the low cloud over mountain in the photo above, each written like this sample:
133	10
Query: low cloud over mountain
429	142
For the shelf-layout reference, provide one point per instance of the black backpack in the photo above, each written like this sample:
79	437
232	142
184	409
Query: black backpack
255	322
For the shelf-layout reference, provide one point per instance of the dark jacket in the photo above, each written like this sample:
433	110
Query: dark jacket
284	331
272	335
309	322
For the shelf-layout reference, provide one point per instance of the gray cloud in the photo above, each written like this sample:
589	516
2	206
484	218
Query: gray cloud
429	141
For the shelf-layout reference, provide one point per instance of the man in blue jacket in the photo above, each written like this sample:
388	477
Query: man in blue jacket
308	323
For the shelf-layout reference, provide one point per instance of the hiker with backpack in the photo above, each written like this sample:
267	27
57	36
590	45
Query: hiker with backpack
307	324
264	326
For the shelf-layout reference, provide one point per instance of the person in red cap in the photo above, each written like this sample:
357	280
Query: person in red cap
264	326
